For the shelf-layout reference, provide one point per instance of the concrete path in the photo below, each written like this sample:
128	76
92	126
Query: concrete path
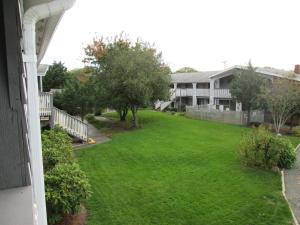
292	186
95	134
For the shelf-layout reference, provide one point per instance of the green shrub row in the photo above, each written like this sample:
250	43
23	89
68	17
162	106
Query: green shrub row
260	148
66	186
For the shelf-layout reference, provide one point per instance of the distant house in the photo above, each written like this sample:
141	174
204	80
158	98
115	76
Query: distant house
26	28
211	88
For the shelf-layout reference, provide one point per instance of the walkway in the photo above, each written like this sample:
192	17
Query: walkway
292	186
95	134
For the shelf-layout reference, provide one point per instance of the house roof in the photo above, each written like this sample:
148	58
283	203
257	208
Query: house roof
200	77
207	75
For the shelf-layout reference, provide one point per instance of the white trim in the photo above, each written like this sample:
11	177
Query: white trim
31	17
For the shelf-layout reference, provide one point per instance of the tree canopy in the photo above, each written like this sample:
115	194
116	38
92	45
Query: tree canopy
282	98
186	70
77	96
55	77
129	75
245	88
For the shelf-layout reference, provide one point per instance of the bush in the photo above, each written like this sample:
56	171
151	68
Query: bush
297	132
57	147
66	187
262	149
288	154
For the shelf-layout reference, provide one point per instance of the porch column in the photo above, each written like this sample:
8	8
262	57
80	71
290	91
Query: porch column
211	92
173	97
194	94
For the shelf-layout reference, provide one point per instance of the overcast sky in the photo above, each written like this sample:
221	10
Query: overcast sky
195	33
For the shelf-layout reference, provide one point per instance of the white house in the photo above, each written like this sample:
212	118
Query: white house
211	88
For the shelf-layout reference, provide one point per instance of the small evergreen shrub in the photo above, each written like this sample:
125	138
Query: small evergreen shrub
287	157
260	148
57	147
297	132
66	187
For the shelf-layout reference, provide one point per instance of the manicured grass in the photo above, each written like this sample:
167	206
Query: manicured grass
179	171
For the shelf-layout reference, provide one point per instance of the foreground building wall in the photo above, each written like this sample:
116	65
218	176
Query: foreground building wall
16	199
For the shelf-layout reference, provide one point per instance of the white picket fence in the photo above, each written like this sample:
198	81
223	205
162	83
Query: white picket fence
232	117
71	124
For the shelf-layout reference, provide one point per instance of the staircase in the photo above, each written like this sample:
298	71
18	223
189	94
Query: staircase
71	124
162	105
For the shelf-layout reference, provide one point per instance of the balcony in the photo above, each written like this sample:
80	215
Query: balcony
184	92
202	92
222	93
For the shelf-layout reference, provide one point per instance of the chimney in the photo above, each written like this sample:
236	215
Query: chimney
297	69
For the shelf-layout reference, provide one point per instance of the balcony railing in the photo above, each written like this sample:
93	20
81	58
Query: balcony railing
222	93
46	103
202	92
183	92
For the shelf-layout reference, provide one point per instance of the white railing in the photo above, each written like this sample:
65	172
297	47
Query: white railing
164	105
184	92
46	103
71	124
202	92
222	93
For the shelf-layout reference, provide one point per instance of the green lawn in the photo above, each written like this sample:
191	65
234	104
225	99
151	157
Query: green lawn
179	171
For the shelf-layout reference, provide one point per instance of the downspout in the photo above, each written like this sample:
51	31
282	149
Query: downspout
31	17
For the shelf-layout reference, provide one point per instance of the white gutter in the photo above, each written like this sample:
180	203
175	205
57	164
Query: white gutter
31	17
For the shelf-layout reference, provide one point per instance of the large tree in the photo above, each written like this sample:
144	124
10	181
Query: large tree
77	96
282	98
130	75
55	77
245	88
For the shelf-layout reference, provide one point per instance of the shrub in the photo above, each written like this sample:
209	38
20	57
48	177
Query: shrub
260	148
297	132
57	147
288	153
66	187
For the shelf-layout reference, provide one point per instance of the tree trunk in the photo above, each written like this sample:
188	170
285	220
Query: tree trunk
248	116
135	116
123	114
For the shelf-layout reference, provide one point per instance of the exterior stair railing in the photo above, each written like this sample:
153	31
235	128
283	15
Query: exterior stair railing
71	124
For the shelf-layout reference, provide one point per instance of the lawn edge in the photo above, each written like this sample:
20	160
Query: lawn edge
284	195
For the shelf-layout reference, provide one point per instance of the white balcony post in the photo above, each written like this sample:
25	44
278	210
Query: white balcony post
211	92
194	94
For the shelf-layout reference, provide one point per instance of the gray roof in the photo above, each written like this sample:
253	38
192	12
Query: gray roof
200	77
205	76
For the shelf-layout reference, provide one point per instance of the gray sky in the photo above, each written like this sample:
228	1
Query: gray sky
195	33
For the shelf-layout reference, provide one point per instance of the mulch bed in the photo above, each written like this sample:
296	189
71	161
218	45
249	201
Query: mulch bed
76	219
